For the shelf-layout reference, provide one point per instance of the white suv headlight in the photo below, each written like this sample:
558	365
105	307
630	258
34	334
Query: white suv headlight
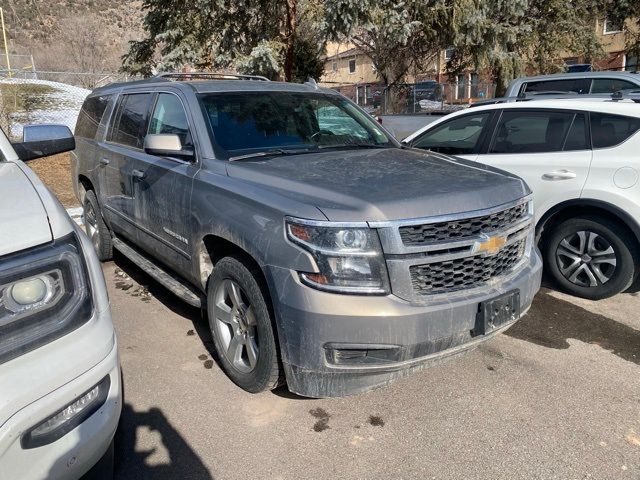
349	259
44	294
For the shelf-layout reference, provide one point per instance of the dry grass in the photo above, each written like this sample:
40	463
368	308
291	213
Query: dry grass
55	173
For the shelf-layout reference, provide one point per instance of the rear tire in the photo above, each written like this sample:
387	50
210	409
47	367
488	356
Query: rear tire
241	324
591	257
96	228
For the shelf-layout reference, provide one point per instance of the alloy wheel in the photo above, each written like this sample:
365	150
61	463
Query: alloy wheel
586	259
235	326
91	224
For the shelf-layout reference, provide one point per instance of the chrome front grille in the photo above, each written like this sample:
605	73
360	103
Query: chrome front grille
465	273
452	254
428	233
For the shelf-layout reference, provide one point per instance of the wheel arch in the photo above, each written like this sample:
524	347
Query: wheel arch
214	247
84	185
573	208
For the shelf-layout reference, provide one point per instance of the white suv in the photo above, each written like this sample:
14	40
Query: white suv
60	391
581	159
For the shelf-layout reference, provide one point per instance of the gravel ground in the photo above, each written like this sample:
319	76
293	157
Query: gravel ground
556	397
55	173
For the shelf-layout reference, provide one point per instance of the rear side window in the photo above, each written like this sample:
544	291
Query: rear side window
610	85
459	136
531	131
90	116
169	117
129	120
576	85
609	130
577	138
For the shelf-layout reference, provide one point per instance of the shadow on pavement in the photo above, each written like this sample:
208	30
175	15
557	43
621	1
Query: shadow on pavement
173	303
551	321
130	462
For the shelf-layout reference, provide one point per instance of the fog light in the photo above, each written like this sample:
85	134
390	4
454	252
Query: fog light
28	292
65	420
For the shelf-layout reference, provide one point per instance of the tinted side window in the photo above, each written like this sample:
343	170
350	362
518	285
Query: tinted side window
577	138
90	116
531	131
609	130
456	137
577	85
169	117
610	85
129	120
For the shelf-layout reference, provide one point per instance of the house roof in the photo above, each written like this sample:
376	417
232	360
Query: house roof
351	52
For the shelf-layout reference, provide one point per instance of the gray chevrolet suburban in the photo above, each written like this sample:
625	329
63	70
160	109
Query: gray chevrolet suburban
324	252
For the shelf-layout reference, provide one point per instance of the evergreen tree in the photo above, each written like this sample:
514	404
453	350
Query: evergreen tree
511	37
253	36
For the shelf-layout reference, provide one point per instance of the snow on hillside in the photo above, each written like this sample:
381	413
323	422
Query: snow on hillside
52	102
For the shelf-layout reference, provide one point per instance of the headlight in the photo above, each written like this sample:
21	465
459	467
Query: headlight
349	259
44	294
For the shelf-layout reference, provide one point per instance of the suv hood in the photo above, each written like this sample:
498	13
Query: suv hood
23	218
382	184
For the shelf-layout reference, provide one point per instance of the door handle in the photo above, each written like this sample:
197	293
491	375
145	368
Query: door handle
104	162
559	175
139	174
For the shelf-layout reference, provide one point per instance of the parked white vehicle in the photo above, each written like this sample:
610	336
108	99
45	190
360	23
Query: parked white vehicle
60	390
581	159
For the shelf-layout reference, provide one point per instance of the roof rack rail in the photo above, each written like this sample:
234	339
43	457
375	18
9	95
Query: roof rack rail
209	76
629	94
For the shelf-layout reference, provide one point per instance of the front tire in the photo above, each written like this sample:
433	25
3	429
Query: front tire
96	228
241	325
591	257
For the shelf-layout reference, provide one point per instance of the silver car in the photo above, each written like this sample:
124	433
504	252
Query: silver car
325	254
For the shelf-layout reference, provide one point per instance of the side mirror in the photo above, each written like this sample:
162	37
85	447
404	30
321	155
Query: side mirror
44	140
166	145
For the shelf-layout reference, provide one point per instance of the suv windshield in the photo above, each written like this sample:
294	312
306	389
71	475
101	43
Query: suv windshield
246	123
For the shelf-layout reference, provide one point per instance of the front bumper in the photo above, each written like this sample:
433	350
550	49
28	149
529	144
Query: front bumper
311	324
72	455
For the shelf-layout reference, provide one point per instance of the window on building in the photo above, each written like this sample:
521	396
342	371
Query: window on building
352	65
461	86
611	26
334	66
631	63
448	53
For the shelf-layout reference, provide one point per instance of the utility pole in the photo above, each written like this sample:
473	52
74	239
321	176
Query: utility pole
6	46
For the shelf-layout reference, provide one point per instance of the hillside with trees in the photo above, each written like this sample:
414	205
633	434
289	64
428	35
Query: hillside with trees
73	35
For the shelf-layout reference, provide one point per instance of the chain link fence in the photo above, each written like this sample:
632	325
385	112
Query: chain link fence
31	96
412	98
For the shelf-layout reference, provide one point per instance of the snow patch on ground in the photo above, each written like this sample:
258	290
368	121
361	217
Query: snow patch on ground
77	215
61	105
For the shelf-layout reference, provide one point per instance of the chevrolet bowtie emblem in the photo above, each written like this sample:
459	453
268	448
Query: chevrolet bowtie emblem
492	245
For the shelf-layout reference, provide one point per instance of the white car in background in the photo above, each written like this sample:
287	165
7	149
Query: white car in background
581	159
60	384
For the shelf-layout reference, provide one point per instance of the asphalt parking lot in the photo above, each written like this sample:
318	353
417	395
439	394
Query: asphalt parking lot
556	397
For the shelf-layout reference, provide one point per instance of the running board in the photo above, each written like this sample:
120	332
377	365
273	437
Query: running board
175	285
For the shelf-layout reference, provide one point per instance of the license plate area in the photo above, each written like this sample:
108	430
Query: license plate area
494	313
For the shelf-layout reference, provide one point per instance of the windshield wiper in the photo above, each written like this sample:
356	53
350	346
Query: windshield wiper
353	145
270	153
